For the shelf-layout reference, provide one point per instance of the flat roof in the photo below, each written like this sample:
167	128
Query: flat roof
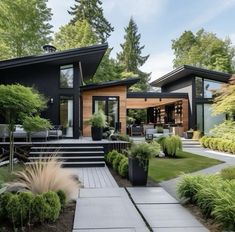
90	58
156	95
127	82
187	70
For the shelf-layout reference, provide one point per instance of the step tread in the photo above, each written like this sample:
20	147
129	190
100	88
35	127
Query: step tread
89	162
65	152
69	157
64	147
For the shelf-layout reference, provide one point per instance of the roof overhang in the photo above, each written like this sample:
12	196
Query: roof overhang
90	58
126	82
187	70
156	95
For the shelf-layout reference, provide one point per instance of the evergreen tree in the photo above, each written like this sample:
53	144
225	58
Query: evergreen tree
130	58
24	27
91	10
75	35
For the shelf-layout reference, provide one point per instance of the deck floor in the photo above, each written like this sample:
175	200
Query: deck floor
95	177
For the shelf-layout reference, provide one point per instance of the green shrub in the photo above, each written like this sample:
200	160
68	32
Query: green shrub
4	199
26	200
52	206
197	135
160	129
123	167
172	144
62	196
207	195
143	152
189	186
111	156
39	208
116	161
156	146
224	210
13	209
228	173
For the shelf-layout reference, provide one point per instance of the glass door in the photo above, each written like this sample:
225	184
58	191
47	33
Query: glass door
110	106
66	115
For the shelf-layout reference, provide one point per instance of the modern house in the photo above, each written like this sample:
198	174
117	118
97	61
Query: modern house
185	99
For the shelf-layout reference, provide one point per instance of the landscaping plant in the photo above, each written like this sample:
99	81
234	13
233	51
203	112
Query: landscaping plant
123	167
17	102
170	145
228	173
43	176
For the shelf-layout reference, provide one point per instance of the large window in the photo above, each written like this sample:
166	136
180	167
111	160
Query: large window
66	115
205	118
210	87
66	76
110	106
205	88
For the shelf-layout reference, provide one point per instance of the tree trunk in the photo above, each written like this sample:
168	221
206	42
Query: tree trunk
11	157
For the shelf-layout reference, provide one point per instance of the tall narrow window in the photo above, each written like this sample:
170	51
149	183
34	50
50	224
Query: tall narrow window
66	76
198	86
66	115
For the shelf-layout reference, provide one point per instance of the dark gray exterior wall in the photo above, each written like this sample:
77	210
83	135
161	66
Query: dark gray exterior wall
183	85
45	78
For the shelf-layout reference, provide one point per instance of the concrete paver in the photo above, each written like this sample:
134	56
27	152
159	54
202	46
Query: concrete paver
151	195
163	212
96	211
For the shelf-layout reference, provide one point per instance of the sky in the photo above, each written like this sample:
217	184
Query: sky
159	22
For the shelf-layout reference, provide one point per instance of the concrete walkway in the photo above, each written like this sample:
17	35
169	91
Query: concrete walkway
229	160
109	208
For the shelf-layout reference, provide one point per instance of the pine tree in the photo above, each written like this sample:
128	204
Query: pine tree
130	58
91	10
24	27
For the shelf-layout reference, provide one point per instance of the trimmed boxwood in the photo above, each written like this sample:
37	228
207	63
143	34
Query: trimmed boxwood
24	207
123	168
117	161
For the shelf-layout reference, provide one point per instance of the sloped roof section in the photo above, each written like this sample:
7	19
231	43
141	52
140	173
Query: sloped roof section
90	58
187	70
127	82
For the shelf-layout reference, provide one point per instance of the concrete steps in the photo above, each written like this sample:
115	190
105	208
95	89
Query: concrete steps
189	143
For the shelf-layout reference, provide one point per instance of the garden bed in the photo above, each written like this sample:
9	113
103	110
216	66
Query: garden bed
63	224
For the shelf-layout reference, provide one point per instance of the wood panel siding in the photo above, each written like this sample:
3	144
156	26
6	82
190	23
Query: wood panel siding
116	91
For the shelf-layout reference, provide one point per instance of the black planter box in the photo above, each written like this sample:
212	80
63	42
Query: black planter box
189	134
137	174
96	133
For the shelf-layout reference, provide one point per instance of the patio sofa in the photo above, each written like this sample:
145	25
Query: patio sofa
157	133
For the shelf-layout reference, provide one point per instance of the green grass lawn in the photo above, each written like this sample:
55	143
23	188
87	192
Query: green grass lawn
164	168
5	175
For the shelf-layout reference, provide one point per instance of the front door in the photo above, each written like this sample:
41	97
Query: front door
110	106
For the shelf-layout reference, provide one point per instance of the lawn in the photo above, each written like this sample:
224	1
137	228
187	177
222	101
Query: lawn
5	176
164	168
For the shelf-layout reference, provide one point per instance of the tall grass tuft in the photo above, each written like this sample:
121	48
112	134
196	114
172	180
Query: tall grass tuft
47	175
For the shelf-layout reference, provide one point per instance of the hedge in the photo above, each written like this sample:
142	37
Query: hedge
218	144
118	162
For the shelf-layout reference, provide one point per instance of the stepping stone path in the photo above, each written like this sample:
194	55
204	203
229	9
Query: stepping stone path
163	212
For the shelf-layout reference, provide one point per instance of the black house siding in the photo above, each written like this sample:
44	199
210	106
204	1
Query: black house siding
183	85
45	78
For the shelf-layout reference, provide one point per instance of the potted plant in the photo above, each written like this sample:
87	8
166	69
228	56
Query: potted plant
138	160
97	122
189	134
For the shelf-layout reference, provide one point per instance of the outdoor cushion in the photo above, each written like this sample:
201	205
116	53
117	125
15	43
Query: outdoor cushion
19	132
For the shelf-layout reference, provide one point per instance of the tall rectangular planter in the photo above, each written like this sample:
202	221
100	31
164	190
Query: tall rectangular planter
137	174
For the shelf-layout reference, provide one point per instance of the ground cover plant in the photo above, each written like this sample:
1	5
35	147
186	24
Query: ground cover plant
213	194
167	168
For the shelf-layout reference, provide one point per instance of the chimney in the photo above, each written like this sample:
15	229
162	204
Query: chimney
49	48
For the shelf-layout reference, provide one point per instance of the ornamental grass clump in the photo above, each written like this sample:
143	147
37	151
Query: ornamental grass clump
43	176
228	173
